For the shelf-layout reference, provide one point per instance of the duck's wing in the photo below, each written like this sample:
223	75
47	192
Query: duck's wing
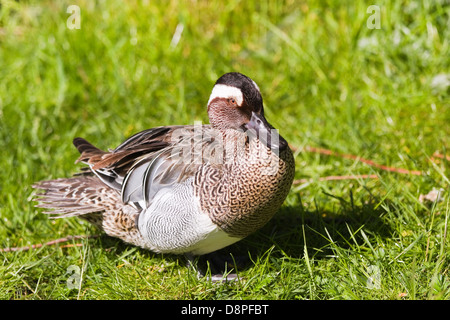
188	150
112	166
150	160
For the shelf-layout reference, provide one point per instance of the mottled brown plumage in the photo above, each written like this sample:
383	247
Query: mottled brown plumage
184	189
245	197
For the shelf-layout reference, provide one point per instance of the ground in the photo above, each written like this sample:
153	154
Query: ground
361	93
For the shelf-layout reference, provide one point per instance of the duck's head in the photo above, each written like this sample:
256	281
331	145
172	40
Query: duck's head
236	103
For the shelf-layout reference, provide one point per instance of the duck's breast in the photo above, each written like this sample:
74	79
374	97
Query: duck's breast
174	223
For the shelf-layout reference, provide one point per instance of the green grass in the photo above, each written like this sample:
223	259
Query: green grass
327	80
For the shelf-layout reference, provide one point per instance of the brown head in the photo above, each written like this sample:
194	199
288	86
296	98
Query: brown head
236	103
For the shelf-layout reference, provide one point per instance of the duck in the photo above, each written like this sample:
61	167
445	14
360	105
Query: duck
183	189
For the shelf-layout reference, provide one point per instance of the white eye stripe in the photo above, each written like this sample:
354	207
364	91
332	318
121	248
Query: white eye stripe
224	91
256	86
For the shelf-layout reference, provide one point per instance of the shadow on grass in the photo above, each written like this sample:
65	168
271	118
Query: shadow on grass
294	227
286	233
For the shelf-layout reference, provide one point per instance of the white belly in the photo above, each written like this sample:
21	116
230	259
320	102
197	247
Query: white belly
212	241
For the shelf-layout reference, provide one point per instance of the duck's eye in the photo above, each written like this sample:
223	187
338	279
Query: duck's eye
232	100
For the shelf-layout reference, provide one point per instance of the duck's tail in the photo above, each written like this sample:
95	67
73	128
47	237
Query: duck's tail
77	196
90	199
88	152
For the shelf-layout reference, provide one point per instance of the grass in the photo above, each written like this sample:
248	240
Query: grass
328	81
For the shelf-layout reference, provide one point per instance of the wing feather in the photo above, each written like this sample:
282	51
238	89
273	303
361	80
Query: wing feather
149	161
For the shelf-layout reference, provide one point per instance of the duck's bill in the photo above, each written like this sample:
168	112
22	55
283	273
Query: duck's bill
259	127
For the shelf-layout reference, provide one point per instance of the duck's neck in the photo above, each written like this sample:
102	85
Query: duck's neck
242	149
225	146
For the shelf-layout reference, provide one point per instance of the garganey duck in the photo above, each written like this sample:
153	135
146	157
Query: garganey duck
184	189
